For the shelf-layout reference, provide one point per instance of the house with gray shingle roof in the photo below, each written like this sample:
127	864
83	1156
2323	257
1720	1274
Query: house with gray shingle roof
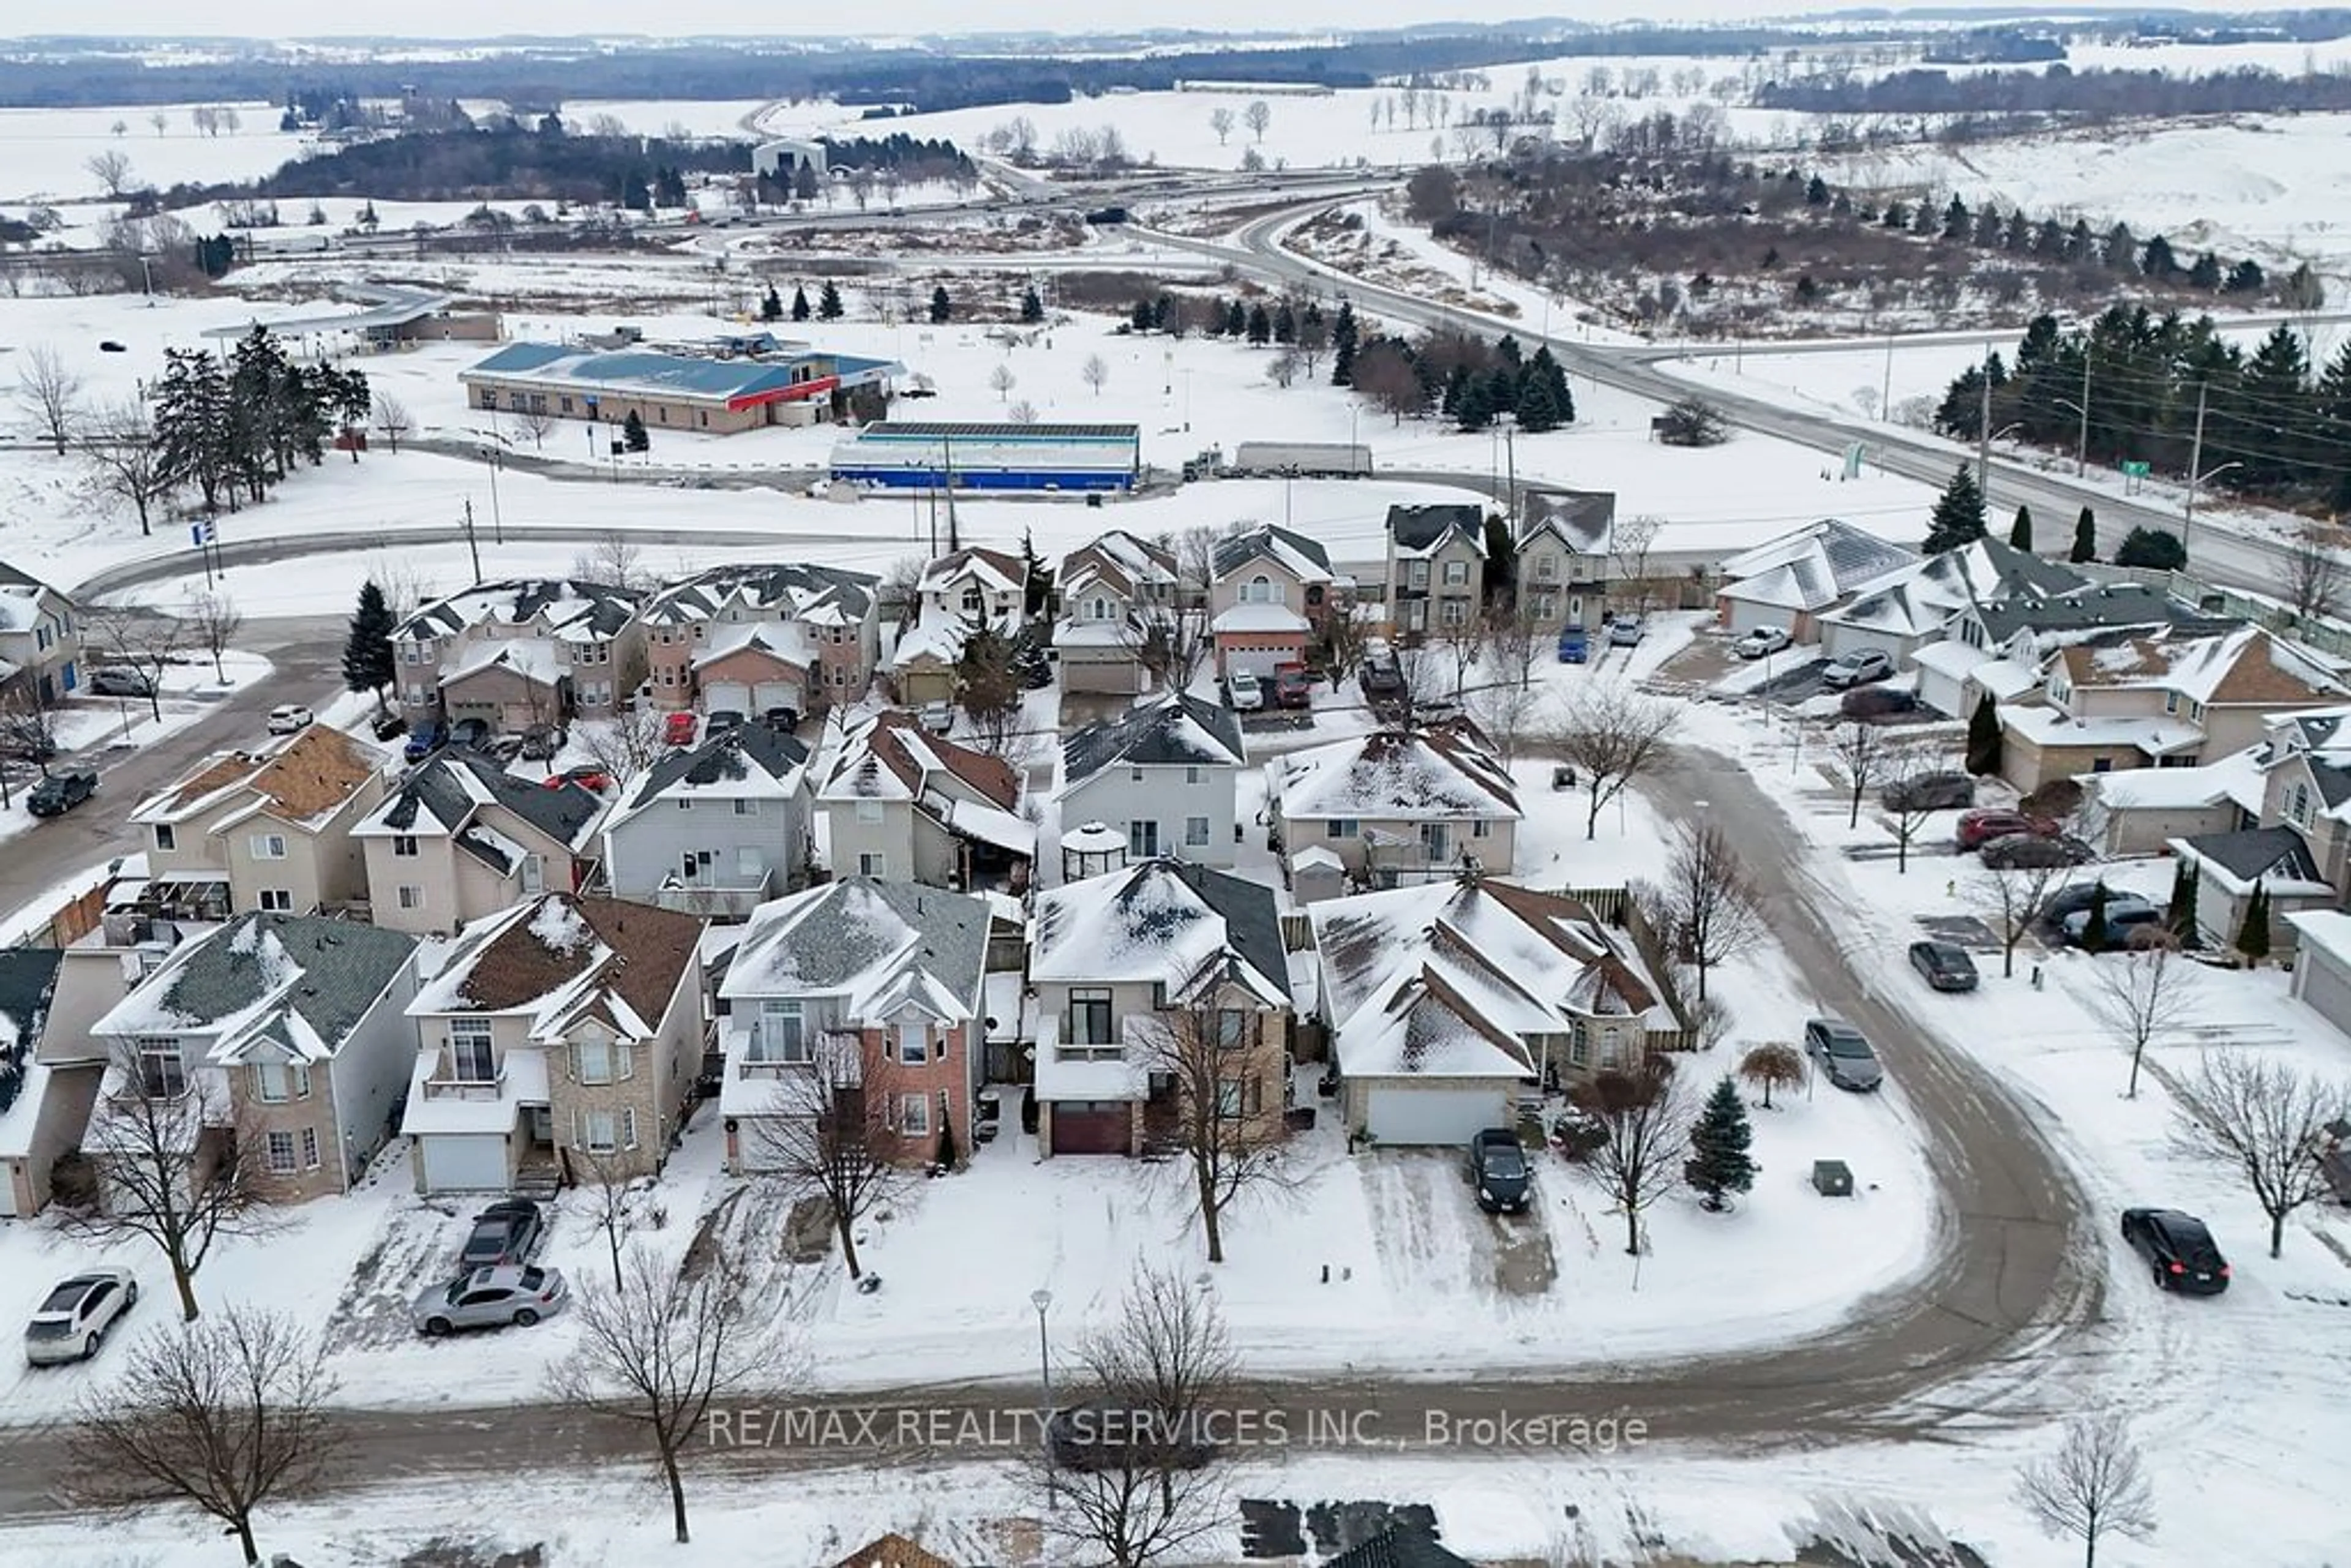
1269	591
715	831
519	651
40	638
1566	541
893	800
1399	805
1163	776
1117	592
285	1032
462	838
752	638
1436	568
1790	580
28	980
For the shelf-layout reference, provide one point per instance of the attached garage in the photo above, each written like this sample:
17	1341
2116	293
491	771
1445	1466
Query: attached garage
776	694
1410	1115
2322	969
461	1162
1257	661
726	696
1090	1126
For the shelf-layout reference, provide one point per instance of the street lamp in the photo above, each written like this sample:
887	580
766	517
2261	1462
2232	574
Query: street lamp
2188	512
1043	1299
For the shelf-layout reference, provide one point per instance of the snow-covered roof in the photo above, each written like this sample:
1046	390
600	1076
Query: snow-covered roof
1257	617
2327	931
1812	566
532	658
447	793
789	641
572	611
559	957
1303	557
1178	730
887	755
1444	772
877	945
1126	1076
2005	678
426	1113
749	762
2234	778
1419	530
1951	657
938	634
788	590
2276	857
994	571
2246	666
1119	561
977	819
2157	737
1163	921
295	984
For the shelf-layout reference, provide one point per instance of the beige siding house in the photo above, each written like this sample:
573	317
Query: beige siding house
265	831
1112	591
1436	569
1399	805
462	839
895	802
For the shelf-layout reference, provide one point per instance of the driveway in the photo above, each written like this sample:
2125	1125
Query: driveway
1432	1235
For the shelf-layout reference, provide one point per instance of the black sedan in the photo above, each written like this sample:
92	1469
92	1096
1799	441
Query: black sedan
504	1233
2179	1249
1943	966
2031	852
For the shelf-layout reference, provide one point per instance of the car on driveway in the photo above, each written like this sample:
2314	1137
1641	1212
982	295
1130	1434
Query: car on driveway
783	720
1857	669
2125	913
1841	1054
290	718
1575	645
938	718
2073	898
504	1233
677	729
1498	1171
73	1319
1929	792
540	742
1762	640
1244	693
119	681
61	791
1979	827
1878	702
2178	1249
721	721
1625	632
2034	852
470	733
490	1298
1292	687
424	740
591	775
1944	966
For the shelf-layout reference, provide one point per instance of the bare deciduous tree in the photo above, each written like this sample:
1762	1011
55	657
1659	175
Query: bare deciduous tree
1256	117
613	560
223	1416
1172	644
535	423
1713	911
2092	1487
1629	544
1772	1065
1220	121
1022	412
828	1136
2143	994
658	1351
610	1187
623	746
1149	1482
111	170
1859	751
2010	900
1514	642
2266	1120
1228	1111
392	419
1002	380
214	620
1283	369
49	388
1612	734
119	452
1504	709
988	691
1096	371
1643	1119
144	639
2310	573
1904	768
28	731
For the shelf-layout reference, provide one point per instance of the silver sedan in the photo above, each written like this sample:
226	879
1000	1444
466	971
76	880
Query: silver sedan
491	1298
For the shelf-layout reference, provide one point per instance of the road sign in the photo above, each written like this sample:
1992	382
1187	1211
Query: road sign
201	534
2135	470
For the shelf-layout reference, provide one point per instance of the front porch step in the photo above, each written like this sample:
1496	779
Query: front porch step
538	1183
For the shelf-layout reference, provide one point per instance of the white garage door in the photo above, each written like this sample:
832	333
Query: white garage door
464	1161
7	1193
1744	615
1837	641
1414	1116
776	694
726	696
2320	981
1257	661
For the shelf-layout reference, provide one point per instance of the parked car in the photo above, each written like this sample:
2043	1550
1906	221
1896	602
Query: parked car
290	718
1382	677
1841	1054
1944	967
784	721
1979	827
119	681
678	728
1292	687
1929	792
2179	1249
1087	1439
424	740
73	1319
470	733
61	792
938	717
1498	1171
1878	702
388	726
1244	693
1575	645
502	1233
2020	851
540	742
489	1299
2073	897
586	775
2124	912
108	346
1762	640
720	720
1625	632
1857	669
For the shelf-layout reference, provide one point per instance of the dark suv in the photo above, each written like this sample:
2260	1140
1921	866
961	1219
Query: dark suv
1498	1171
504	1233
2179	1249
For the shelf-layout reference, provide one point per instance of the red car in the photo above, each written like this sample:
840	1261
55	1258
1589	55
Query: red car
678	728
587	776
1978	829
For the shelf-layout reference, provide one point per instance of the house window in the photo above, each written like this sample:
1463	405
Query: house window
915	1115
1232	1028
914	1044
281	1154
1483	828
872	864
1456	574
1436	844
747	808
1454	612
1089	1015
1193	775
1415	574
2297	805
1142	839
275	1082
592	653
309	1148
2102	765
973	601
470	1058
1260	590
1546	568
606	1132
2171	702
1345	828
749	863
869	814
267	846
166	838
595	1060
684	804
1579	1049
404	846
411	895
1098	608
162	1071
1195	831
275	901
1238	1097
780	1035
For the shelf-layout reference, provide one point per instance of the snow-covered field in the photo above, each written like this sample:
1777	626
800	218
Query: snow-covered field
45	153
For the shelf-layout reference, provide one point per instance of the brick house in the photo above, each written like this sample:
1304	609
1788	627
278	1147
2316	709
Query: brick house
520	652
754	638
1269	592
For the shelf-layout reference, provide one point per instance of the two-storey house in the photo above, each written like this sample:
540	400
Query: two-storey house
860	998
1566	539
287	1031
1164	775
40	639
1269	592
264	830
1436	569
1146	978
1114	591
519	653
1399	805
715	831
753	639
1444	999
894	802
561	1040
462	838
956	595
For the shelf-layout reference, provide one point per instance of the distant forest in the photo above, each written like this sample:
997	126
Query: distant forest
2061	92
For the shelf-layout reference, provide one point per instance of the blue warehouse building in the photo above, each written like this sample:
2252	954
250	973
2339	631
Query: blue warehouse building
927	457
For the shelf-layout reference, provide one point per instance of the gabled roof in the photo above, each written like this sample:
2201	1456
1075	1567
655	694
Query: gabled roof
1119	560
315	773
893	1550
788	643
2275	856
993	569
790	591
29	977
2091	605
1426	528
206	784
1583	520
1178	730
1442	772
2246	666
1303	557
878	944
1921	597
443	796
20	600
890	757
750	761
559	957
1398	1546
565	608
1163	921
301	981
1815	565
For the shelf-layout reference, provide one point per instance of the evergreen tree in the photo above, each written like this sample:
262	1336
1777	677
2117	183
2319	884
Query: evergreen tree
632	432
827	301
2085	538
1139	318
1032	310
1454	385
1285	324
1958	520
800	303
368	663
2156	261
1343	335
2180	918
1473	410
1038	595
1506	350
1537	411
1163	313
1261	326
1817	193
1956	222
942	308
2253	934
2246	278
2094	930
2152	548
1719	1161
771	306
1502	389
1236	319
1984	742
2020	532
2206	274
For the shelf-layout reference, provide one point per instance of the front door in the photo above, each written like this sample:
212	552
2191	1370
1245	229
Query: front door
534	874
1142	839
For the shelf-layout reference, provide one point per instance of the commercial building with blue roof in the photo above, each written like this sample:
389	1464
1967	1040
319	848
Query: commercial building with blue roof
737	383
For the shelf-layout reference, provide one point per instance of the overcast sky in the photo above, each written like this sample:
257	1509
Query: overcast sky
471	18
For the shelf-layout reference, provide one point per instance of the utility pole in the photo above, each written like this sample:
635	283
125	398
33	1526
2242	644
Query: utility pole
1983	437
472	549
954	541
1510	457
2082	445
2195	471
498	518
1885	392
